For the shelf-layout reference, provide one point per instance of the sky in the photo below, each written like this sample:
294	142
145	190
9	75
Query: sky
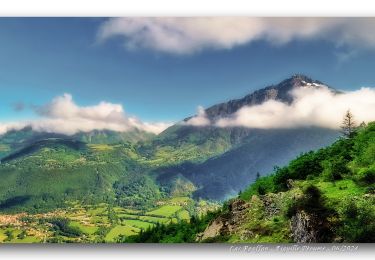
151	72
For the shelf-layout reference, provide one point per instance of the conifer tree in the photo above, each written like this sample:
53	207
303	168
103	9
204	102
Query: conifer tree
348	124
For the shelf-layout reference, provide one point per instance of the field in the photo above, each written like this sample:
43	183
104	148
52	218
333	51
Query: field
120	230
101	223
166	211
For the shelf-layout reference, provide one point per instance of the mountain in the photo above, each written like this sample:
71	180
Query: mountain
222	161
112	137
14	140
41	171
326	196
47	143
46	174
135	168
279	92
225	175
323	196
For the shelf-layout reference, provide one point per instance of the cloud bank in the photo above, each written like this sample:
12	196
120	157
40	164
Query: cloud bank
318	107
63	115
200	119
189	35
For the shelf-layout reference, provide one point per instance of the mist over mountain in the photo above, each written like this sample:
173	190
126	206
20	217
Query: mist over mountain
248	151
279	92
209	161
14	140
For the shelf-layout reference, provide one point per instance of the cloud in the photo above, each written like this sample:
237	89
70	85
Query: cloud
5	127
184	35
64	116
200	119
318	107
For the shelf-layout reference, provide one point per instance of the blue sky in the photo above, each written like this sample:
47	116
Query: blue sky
41	58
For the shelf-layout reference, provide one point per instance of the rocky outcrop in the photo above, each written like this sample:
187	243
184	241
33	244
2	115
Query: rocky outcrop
271	204
240	213
226	223
304	228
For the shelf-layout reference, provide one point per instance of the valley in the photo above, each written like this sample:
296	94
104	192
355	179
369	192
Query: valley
99	223
109	187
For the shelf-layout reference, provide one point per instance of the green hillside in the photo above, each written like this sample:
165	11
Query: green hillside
112	137
46	174
14	140
322	196
182	143
252	151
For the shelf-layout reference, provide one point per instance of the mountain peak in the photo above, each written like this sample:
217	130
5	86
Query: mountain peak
302	77
278	92
299	80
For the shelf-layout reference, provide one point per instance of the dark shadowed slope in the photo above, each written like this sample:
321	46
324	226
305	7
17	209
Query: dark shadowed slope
243	151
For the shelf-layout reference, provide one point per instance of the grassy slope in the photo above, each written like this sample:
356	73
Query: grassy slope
87	223
43	176
343	175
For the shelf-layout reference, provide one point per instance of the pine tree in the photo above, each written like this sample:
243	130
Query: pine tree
348	125
363	124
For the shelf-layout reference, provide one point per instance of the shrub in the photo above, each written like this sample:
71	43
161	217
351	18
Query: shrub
61	227
22	235
307	165
335	168
9	235
357	224
312	201
370	190
367	175
261	186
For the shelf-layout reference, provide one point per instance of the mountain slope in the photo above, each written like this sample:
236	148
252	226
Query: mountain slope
325	196
227	174
15	140
112	137
46	174
210	162
279	92
237	154
322	196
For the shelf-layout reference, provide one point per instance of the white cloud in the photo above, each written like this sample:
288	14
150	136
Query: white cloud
5	127
184	35
200	119
62	115
311	107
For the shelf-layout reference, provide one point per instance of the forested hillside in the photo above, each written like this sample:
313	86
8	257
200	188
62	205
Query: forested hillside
322	196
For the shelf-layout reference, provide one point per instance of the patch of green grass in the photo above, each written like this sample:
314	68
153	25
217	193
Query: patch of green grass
127	216
2	235
179	200
118	209
96	211
166	211
100	219
155	219
101	147
26	240
132	211
183	214
85	229
4	148
120	230
137	223
340	189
